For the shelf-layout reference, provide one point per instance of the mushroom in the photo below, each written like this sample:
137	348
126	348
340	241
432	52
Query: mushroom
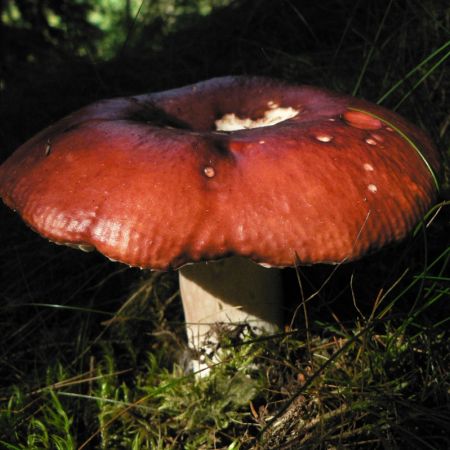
228	180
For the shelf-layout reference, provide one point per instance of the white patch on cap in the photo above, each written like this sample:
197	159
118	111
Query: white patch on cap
324	138
371	141
368	167
231	122
372	188
209	171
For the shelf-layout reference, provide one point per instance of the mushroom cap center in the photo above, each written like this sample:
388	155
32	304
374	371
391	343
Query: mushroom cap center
275	114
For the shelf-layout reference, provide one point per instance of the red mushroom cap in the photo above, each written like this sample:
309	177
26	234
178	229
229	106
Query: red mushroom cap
150	181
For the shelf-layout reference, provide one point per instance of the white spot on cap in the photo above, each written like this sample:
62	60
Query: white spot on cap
371	141
389	129
372	188
209	171
231	122
368	167
262	142
272	105
324	138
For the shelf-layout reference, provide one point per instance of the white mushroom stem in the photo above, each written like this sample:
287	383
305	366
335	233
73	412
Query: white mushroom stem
231	291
